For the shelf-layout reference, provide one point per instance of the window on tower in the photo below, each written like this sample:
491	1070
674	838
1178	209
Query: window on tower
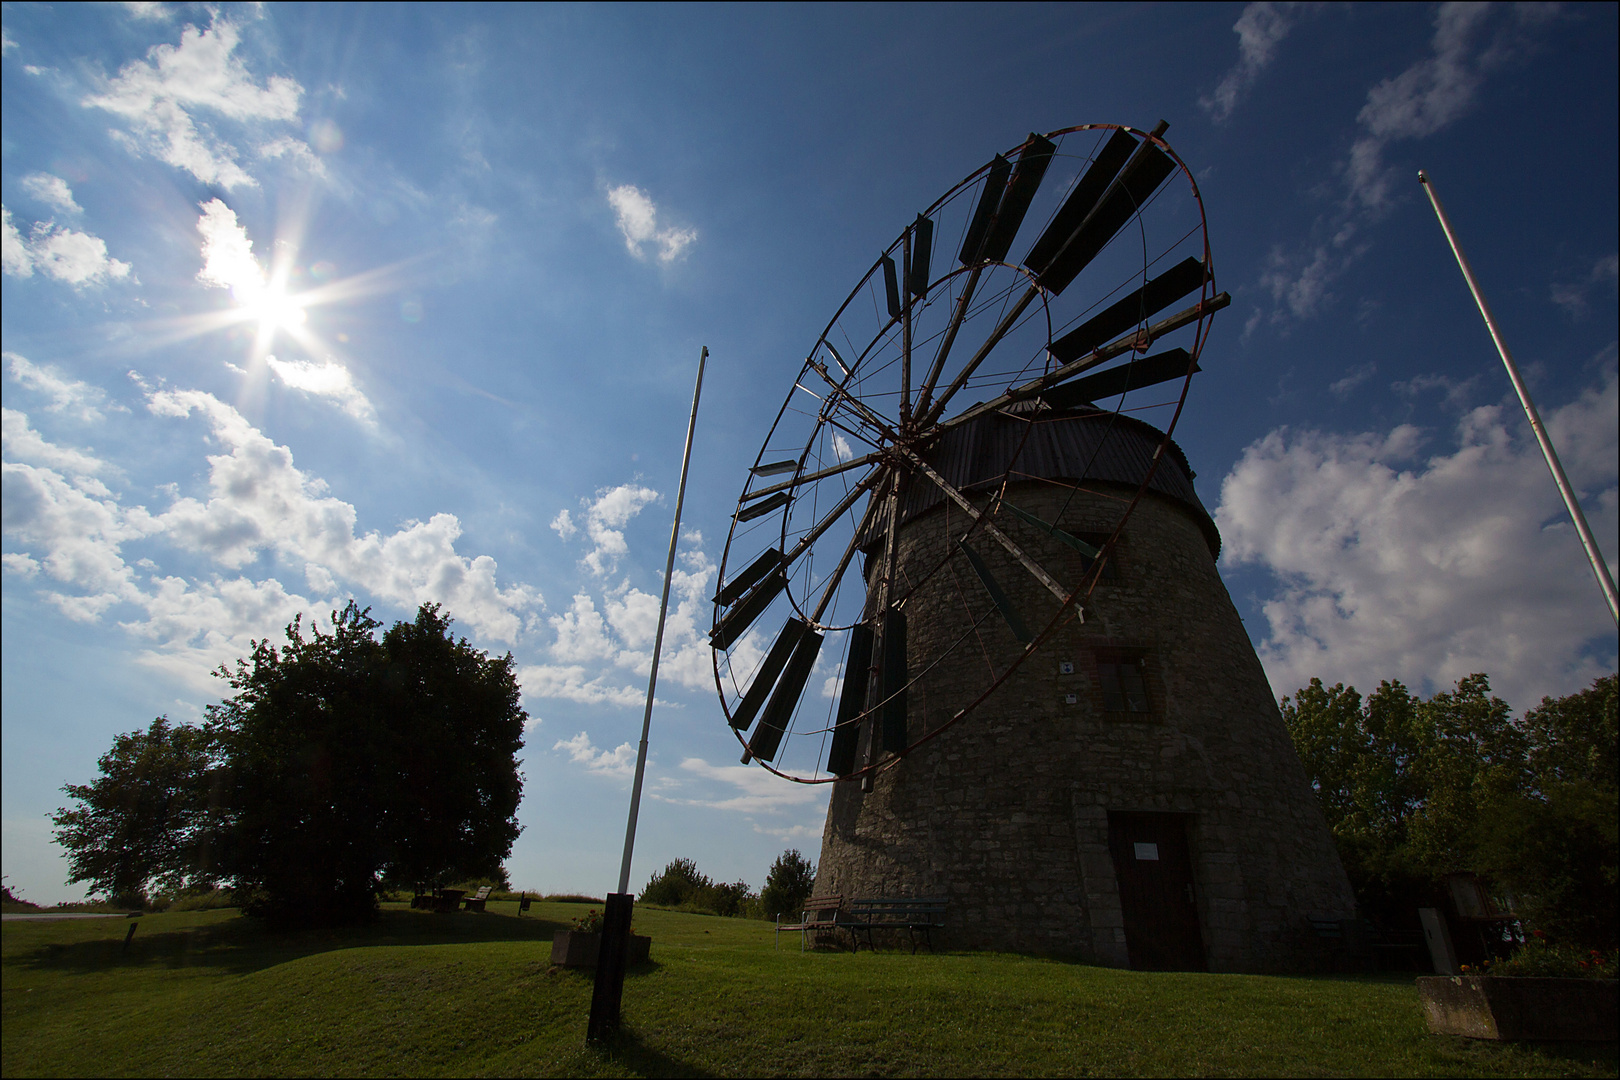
1122	676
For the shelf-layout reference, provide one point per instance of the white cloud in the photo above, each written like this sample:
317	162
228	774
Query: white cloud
571	682
744	788
330	379
620	762
71	530
53	191
228	261
1354	378
147	10
67	255
638	220
161	98
604	520
1424	98
293	150
1260	29
1392	567
65	395
1572	297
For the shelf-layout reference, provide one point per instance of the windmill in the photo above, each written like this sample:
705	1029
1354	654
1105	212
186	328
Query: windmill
932	579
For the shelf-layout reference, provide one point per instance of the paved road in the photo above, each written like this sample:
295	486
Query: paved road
52	916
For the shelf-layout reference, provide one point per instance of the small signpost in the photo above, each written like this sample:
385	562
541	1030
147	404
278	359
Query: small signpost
609	989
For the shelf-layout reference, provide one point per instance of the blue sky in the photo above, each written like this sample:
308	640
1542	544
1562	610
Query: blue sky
404	303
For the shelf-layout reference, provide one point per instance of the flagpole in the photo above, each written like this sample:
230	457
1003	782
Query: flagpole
609	988
1600	568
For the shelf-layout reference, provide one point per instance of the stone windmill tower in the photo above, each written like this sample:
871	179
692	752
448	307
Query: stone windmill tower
1035	696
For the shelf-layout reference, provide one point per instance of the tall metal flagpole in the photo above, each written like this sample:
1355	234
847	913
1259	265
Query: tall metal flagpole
1599	567
609	988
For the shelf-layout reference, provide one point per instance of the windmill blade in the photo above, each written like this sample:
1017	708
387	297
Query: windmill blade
1026	178
1148	371
1036	387
760	509
1083	199
995	185
773	724
750	577
1140	305
997	595
851	702
812	477
736	622
891	287
1140	179
765	678
775	468
922	250
894	681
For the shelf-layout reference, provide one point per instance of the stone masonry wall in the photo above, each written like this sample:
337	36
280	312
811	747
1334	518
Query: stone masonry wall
1006	812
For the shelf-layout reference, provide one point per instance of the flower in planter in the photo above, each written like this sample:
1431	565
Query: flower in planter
589	923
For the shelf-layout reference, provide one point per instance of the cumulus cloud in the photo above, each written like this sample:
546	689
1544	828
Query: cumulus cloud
638	220
1260	29
1391	565
72	530
604	519
162	100
228	260
67	255
62	394
571	682
620	762
53	191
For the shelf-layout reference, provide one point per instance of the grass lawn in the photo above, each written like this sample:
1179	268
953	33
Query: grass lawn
210	992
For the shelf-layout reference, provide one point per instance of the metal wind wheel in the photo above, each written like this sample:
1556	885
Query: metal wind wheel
1068	276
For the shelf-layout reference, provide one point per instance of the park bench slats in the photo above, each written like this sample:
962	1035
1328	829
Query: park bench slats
914	915
820	913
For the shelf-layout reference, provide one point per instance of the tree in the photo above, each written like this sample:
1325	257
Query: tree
352	761
1414	789
788	885
678	883
143	821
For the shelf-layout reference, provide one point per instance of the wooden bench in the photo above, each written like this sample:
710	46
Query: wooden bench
914	915
477	900
819	914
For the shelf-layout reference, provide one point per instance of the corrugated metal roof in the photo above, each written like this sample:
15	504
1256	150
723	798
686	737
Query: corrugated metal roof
1076	445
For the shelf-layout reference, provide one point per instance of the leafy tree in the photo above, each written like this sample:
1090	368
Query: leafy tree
143	822
353	760
678	883
1555	842
1415	789
788	885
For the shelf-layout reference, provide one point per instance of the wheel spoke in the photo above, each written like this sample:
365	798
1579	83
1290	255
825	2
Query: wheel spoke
1001	331
1000	537
948	340
831	584
812	477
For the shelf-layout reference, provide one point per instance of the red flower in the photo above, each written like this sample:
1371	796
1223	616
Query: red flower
1539	934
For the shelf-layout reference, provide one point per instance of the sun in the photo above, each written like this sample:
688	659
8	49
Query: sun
273	310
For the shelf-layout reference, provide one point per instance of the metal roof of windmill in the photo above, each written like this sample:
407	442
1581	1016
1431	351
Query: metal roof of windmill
1031	441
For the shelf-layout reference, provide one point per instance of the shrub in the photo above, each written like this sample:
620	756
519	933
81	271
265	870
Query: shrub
677	884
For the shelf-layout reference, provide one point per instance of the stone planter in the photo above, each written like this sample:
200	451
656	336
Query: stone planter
1508	1007
573	948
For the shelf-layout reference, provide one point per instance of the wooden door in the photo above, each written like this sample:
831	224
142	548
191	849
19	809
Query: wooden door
1153	863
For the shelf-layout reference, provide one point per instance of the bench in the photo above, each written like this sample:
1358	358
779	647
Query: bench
1356	942
477	900
914	915
819	914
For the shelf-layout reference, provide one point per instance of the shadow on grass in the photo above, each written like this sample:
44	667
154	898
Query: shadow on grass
242	945
628	1051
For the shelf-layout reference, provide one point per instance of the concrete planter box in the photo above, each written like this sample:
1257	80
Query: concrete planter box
1508	1007
572	948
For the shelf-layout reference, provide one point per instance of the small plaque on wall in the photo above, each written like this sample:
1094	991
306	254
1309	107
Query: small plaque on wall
1147	852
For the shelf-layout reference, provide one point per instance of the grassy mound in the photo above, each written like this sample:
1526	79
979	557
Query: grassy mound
209	992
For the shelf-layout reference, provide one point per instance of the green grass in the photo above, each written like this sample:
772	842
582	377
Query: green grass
209	992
